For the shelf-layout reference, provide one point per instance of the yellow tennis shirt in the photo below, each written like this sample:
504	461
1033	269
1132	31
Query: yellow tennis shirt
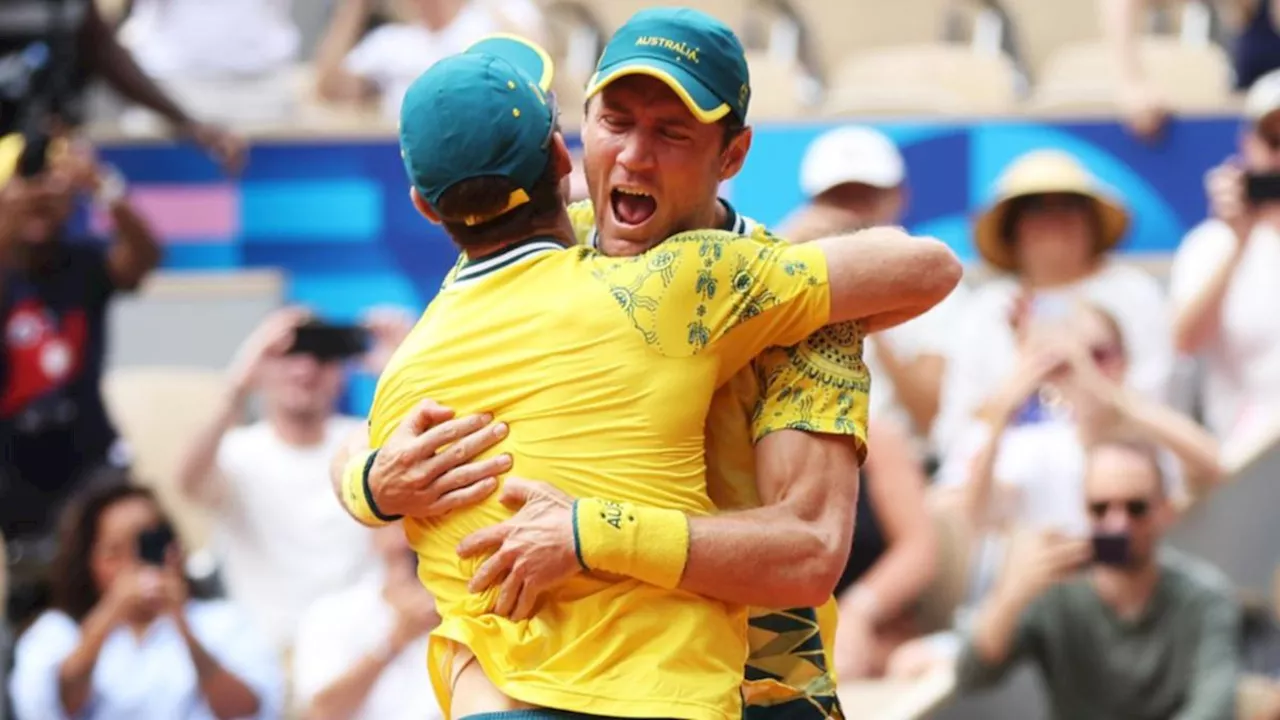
820	385
603	369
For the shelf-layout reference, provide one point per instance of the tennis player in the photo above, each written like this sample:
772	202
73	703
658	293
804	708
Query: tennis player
790	553
603	370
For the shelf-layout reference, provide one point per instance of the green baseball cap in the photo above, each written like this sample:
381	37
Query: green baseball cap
696	55
476	115
522	52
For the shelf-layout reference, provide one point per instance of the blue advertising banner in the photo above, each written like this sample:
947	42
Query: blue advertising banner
336	217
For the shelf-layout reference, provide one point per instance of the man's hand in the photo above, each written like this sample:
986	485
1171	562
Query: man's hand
412	476
270	339
531	552
228	149
1038	561
388	327
1225	187
1145	112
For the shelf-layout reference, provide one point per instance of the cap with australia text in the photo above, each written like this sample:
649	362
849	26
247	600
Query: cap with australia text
694	54
482	113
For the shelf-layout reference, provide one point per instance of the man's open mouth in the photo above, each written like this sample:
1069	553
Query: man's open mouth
632	206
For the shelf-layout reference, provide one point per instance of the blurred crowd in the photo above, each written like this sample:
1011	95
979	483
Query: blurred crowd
1037	421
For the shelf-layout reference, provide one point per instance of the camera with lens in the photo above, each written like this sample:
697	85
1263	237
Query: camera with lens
38	84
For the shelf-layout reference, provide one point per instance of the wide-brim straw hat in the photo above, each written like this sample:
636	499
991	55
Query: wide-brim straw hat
1043	172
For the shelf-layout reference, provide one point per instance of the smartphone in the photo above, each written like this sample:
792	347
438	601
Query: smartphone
1050	307
327	341
153	544
1262	187
1111	549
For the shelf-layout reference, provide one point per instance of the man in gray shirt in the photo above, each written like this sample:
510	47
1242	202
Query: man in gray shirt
1142	633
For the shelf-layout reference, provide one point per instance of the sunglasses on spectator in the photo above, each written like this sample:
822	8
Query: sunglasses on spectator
1135	508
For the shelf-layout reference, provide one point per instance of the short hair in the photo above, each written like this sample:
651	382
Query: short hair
486	196
1147	451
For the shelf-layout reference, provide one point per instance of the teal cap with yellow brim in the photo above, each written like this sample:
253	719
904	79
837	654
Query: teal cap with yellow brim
475	115
522	52
696	55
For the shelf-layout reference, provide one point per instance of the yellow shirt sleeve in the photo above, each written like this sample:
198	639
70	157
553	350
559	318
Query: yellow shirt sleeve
819	385
714	291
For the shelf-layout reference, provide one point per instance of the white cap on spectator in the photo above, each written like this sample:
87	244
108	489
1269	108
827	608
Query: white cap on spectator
851	154
1263	97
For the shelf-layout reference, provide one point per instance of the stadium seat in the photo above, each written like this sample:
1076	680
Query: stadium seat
1082	77
158	410
613	13
777	88
1041	28
924	79
837	26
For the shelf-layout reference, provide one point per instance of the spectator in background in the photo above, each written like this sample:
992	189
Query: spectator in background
55	436
127	639
282	539
1255	53
230	60
1224	288
357	65
1142	634
892	559
1050	230
361	650
855	177
29	24
1016	470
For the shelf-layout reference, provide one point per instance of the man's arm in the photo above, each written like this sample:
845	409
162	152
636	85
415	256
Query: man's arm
103	52
1211	693
135	251
789	552
883	276
197	471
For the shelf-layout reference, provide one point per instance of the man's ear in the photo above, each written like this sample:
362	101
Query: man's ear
735	155
423	206
560	156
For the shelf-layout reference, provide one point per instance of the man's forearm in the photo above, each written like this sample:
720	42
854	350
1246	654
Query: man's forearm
1120	20
766	557
996	627
136	251
118	67
199	462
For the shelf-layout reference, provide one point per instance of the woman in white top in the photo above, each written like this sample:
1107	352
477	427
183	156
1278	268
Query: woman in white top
1050	231
127	640
1021	461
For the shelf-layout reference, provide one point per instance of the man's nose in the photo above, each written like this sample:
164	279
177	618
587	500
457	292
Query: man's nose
637	152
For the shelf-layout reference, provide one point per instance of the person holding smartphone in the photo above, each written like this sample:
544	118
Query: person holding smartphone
1223	281
128	637
1120	627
